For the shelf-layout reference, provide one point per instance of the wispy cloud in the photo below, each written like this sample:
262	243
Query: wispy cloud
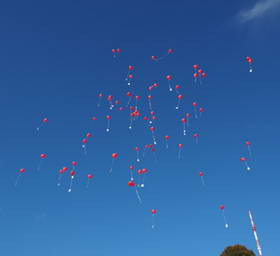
261	8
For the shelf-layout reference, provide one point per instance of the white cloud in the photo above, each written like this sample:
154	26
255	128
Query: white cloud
259	9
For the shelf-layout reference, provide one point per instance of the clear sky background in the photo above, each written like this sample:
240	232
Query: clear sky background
55	57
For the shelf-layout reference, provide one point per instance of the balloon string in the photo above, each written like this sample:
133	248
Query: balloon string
153	221
170	88
195	113
71	183
249	151
39	165
112	165
84	148
166	145
178	104
202	180
184	129
137	156
138	196
179	154
17	179
59	179
225	220
247	166
108	125
99	102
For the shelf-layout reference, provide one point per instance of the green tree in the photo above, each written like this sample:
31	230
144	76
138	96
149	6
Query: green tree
237	250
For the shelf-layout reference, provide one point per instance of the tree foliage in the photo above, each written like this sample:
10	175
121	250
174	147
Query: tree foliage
237	250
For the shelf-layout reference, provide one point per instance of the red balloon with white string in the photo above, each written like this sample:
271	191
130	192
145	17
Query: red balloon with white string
108	118
195	109
100	96
114	156
201	174
180	146
152	129
183	121
244	160
250	63
169	78
248	145
179	97
42	157
43	122
72	175
20	173
153	211
196	136
137	154
222	208
166	141
89	178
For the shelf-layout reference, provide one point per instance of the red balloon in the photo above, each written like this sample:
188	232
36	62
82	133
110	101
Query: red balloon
144	170
180	145
74	163
45	120
84	141
108	117
248	143
183	120
130	76
139	171
130	67
90	176
153	211
200	110
195	66
196	135
137	97
169	51
128	94
110	97
114	155
118	50
166	137
194	104
222	207
131	183
131	167
43	156
242	159
195	75
177	86
152	128
61	171
72	173
88	135
200	174
203	74
188	115
153	57
113	50
64	169
94	118
200	71
180	96
21	170
168	77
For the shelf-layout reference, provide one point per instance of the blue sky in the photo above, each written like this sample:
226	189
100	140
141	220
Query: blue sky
56	58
